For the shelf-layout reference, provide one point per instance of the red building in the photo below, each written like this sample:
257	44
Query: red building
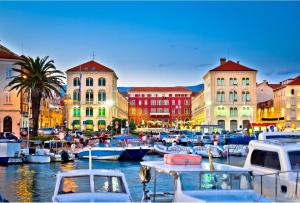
159	106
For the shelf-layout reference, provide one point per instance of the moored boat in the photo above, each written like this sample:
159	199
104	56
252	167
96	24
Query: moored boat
174	149
10	151
216	151
102	153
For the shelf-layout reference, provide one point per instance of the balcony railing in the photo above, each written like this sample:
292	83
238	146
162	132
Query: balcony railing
89	102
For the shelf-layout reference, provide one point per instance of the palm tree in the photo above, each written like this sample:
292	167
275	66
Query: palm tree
40	77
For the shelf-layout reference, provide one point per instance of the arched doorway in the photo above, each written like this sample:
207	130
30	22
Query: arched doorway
221	123
233	125
245	123
7	124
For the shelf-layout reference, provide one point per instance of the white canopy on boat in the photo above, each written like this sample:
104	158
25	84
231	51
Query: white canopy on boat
82	172
204	166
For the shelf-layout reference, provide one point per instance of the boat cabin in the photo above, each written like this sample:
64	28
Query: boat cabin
275	161
88	185
197	183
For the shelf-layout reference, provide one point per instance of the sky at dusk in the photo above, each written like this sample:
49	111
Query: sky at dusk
158	43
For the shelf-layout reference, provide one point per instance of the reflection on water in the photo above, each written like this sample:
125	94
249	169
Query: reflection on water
24	183
36	182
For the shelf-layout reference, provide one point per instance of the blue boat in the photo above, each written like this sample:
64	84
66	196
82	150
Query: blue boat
238	139
134	149
102	153
10	152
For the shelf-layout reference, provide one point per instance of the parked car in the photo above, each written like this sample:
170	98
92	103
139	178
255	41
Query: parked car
46	131
171	139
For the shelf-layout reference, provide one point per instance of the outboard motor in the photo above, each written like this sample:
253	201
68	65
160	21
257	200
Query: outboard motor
65	156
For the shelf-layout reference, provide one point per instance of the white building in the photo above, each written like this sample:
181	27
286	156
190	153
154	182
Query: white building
9	101
230	95
95	102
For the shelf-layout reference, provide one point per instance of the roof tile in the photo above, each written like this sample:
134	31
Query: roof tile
91	66
232	66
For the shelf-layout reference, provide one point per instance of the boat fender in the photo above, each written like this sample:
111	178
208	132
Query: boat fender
145	174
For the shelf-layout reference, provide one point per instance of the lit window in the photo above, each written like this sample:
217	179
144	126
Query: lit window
101	111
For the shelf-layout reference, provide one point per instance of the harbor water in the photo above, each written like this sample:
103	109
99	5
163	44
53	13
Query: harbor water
36	182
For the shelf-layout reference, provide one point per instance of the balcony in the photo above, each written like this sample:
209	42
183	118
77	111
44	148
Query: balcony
89	102
159	114
76	102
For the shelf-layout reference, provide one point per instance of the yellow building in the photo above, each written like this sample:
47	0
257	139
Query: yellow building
230	95
95	100
287	104
198	105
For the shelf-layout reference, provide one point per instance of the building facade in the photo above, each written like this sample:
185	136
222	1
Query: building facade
9	100
287	104
94	101
265	103
230	95
198	106
159	106
122	106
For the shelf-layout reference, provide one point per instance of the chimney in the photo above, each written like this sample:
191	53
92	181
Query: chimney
222	61
238	62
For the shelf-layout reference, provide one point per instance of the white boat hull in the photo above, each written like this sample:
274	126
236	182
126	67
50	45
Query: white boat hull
38	158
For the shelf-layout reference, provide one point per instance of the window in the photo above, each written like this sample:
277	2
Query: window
89	96
187	111
76	95
293	101
110	184
187	102
246	96
233	81
292	92
8	72
132	111
132	102
293	114
233	111
153	110
76	82
7	97
101	96
159	110
246	111
245	81
173	111
294	159
67	187
166	102
266	159
153	102
145	111
179	102
89	111
220	111
179	111
101	82
173	102
220	96
101	111
140	111
76	111
140	102
89	82
220	81
233	96
146	102
159	102
166	110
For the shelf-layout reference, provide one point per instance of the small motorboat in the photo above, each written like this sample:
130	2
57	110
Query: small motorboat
35	153
91	185
135	149
58	152
216	151
102	153
236	150
174	149
10	151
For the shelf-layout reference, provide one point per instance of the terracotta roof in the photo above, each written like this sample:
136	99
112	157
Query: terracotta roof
232	66
296	81
91	66
160	89
5	53
274	86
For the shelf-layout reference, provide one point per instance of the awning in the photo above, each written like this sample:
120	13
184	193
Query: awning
76	122
89	122
101	122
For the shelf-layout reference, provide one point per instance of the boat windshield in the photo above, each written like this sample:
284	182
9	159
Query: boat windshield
81	184
216	180
294	157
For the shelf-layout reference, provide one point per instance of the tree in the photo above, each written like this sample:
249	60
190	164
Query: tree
40	77
132	126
